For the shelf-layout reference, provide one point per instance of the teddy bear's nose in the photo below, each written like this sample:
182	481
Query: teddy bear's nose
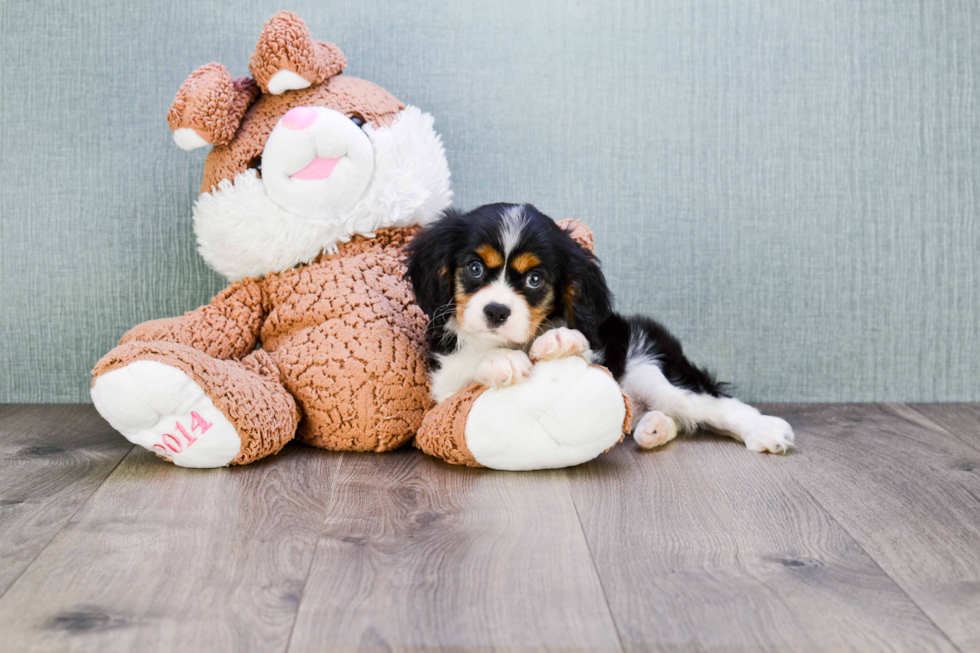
299	118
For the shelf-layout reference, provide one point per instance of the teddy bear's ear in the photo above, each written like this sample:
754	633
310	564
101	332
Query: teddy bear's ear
209	107
579	233
286	58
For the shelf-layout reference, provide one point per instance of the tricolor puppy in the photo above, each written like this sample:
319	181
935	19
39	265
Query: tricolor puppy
504	285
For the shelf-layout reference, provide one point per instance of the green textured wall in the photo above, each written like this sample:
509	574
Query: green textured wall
793	186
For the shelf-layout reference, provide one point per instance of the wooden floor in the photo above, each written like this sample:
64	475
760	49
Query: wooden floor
865	538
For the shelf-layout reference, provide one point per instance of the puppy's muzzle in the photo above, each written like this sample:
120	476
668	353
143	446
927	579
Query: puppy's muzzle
496	314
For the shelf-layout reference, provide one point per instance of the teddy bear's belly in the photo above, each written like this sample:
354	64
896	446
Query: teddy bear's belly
348	341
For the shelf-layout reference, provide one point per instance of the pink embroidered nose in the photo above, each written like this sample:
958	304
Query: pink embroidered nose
299	118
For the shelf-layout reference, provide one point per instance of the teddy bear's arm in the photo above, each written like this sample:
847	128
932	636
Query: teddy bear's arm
228	327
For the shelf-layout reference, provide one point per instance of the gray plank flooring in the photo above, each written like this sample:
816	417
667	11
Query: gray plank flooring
51	461
909	493
161	559
704	546
418	554
864	538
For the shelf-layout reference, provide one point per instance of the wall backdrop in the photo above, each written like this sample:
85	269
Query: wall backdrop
793	186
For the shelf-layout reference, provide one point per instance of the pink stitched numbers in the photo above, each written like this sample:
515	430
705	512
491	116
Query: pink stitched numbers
172	444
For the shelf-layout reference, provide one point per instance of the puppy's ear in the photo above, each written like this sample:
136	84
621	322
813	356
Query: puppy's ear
430	262
587	300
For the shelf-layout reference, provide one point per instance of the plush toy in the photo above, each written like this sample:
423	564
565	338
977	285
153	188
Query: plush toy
315	183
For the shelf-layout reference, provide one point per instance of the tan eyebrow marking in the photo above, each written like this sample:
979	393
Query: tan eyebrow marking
524	262
490	256
569	297
461	297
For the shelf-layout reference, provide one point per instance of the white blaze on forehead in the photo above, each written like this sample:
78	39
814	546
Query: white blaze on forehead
512	225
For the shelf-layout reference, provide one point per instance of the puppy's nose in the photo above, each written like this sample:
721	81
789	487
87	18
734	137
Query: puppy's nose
496	314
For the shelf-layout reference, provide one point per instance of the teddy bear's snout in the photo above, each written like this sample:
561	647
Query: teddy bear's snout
317	162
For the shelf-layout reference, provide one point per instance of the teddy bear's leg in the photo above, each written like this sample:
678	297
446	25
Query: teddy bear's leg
192	409
367	391
566	413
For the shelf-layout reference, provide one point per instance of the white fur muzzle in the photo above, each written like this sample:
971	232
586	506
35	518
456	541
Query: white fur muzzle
242	232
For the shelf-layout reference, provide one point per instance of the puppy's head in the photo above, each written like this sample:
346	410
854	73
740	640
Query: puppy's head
503	272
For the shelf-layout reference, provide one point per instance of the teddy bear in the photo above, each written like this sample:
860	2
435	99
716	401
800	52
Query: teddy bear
315	183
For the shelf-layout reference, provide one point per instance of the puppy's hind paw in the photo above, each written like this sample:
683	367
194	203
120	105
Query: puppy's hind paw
503	367
559	343
770	434
654	429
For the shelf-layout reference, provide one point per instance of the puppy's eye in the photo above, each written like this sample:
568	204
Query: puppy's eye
357	120
533	280
475	269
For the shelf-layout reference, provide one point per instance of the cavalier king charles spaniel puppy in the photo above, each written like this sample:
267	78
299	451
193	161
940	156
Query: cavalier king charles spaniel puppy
504	285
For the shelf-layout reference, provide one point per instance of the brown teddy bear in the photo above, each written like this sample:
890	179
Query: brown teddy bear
315	184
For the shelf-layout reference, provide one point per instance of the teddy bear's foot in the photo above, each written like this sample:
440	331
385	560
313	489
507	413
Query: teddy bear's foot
566	413
192	409
161	409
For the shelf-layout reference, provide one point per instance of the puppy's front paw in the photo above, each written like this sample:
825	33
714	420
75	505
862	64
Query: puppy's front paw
559	343
503	367
771	434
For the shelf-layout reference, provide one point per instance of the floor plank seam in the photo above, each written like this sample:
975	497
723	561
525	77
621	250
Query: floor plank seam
316	546
969	443
857	542
595	568
68	521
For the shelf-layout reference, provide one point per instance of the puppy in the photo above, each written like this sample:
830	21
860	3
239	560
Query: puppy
504	285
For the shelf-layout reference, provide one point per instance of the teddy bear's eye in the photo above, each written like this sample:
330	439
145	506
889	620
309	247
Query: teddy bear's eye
357	120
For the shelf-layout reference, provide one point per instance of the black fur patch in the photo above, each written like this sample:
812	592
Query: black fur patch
656	341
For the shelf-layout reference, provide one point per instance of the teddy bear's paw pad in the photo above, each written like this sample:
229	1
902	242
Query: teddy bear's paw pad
187	139
286	80
163	410
654	429
566	413
559	343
